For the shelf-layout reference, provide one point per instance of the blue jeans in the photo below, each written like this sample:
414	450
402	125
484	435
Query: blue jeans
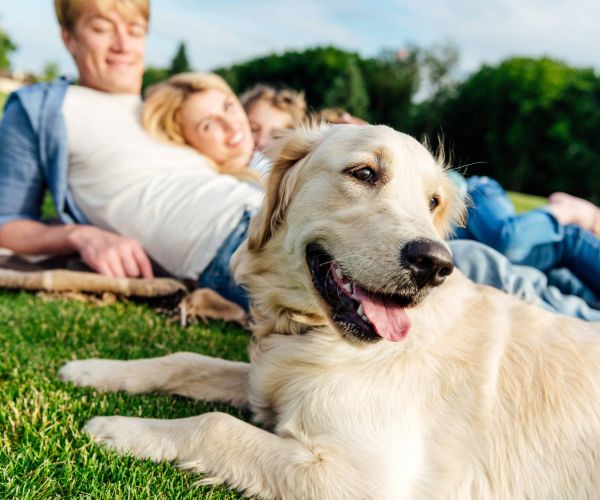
534	238
218	275
486	266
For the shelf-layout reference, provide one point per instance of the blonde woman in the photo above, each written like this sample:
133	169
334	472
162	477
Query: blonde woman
272	110
199	110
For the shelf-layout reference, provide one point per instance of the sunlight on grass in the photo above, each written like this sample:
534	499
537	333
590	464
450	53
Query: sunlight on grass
524	202
42	451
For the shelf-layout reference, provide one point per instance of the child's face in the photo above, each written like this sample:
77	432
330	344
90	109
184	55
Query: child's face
266	121
214	123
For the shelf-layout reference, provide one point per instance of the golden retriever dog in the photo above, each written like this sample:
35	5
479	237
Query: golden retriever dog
377	371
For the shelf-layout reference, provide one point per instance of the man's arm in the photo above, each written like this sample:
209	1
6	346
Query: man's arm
103	251
22	187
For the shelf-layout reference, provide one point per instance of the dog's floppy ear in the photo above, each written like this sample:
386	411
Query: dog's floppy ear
286	153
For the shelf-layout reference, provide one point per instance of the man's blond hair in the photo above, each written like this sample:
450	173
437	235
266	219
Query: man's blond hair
68	11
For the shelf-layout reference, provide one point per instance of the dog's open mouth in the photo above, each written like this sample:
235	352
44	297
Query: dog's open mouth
364	314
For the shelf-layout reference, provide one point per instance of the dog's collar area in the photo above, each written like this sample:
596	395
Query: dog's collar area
358	313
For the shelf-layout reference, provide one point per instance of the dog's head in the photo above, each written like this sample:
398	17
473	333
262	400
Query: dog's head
350	233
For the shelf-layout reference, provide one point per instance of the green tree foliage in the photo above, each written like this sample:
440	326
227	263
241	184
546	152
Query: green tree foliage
180	63
436	66
532	122
348	91
6	47
50	72
312	71
154	75
391	79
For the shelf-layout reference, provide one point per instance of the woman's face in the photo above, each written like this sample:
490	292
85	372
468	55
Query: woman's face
214	123
266	121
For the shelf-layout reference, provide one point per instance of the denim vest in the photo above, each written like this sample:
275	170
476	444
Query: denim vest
34	154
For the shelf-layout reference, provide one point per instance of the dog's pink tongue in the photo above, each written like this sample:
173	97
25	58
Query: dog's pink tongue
390	320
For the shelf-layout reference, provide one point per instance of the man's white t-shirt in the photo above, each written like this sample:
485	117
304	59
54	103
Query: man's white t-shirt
167	197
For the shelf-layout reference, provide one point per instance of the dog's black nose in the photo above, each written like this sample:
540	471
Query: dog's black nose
429	262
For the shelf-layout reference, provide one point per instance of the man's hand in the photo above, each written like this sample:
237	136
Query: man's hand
109	253
105	252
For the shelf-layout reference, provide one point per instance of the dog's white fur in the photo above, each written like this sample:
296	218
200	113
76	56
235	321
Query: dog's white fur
487	397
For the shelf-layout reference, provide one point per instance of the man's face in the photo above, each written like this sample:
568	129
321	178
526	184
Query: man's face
108	49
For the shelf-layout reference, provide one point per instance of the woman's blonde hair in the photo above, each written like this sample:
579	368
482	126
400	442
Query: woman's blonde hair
162	108
163	103
68	11
286	100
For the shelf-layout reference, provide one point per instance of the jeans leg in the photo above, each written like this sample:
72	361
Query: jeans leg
578	251
218	275
492	220
486	266
569	284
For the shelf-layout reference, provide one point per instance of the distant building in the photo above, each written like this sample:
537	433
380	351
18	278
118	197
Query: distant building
9	82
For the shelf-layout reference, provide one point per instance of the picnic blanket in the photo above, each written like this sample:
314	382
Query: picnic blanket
70	278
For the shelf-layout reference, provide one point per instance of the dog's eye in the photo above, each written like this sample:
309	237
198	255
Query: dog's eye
434	202
365	174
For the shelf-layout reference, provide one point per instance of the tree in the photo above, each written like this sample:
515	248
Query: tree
6	47
391	79
348	91
180	63
50	72
437	66
153	75
533	122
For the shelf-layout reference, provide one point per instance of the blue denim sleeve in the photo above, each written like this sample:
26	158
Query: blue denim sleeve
22	184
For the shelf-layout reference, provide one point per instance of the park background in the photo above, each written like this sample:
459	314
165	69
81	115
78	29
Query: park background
512	88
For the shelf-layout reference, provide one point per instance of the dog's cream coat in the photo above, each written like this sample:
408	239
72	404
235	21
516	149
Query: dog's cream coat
486	397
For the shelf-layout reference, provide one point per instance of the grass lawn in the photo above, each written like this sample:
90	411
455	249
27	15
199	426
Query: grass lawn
42	451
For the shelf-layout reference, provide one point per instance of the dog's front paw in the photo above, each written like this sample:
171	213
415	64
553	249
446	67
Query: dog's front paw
102	374
136	436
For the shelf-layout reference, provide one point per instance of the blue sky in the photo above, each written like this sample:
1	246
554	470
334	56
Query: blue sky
221	33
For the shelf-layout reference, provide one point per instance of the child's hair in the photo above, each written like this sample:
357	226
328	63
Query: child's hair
334	116
286	100
162	107
68	11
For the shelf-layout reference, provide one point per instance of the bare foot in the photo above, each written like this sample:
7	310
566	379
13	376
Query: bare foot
569	209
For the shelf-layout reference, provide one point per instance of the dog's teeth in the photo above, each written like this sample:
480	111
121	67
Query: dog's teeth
347	287
338	272
360	311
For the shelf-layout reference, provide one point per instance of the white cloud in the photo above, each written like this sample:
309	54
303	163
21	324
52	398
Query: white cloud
489	31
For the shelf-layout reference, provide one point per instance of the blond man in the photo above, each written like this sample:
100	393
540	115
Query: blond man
106	39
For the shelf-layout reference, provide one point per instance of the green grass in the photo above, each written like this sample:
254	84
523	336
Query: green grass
2	101
524	202
43	454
